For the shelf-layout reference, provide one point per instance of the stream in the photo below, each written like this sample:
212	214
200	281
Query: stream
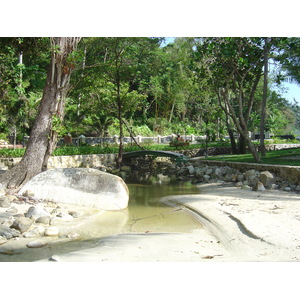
145	214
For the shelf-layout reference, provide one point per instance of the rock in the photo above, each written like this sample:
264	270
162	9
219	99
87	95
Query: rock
75	214
37	212
182	171
8	233
8	221
218	172
240	178
191	169
54	258
246	187
206	178
249	173
287	189
273	186
253	180
19	215
12	210
228	178
3	240
209	171
2	192
36	244
199	173
12	198
64	216
266	178
28	193
22	224
35	232
4	202
52	231
43	220
258	187
80	186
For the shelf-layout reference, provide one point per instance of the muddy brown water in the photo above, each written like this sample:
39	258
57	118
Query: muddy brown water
145	214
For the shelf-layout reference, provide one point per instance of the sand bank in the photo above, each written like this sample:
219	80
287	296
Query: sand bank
239	225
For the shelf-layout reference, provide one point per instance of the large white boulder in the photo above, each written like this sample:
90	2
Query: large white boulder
80	186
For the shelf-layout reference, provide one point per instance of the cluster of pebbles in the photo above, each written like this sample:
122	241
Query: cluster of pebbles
25	217
250	179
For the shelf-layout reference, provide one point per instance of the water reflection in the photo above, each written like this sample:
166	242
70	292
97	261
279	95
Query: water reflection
146	213
150	194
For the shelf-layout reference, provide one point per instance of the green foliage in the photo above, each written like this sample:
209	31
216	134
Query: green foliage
10	153
162	90
57	125
3	136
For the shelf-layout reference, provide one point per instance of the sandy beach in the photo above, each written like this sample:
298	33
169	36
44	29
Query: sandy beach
238	226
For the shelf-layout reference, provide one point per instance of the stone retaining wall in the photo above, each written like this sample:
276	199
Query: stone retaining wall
81	161
288	173
72	161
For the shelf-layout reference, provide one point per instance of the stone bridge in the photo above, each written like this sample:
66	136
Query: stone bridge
177	156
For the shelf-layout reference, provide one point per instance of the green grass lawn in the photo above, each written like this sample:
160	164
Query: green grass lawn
289	157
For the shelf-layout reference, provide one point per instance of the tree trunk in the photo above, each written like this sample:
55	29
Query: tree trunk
171	113
234	149
264	100
120	117
242	145
42	138
241	126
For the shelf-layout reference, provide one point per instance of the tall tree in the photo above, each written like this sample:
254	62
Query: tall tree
51	110
120	64
23	69
264	99
290	58
235	68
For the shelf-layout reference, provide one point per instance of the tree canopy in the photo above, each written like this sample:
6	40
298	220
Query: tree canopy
204	86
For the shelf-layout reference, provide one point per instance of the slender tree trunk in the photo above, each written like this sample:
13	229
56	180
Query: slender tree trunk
264	100
171	113
42	138
232	139
234	148
120	117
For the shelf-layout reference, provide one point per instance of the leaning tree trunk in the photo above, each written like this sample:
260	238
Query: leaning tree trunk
42	138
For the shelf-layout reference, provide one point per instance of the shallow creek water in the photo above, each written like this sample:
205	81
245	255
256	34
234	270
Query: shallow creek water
144	214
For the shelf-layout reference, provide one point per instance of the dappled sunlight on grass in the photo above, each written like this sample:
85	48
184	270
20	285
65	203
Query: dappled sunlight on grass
290	157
